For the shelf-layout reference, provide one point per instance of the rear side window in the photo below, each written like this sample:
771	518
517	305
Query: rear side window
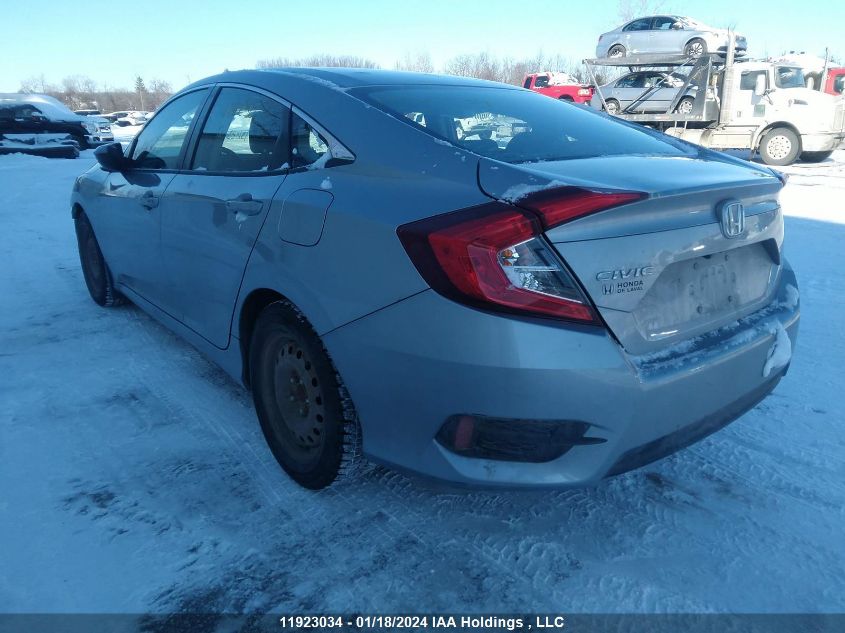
639	25
308	146
527	82
516	126
245	131
160	143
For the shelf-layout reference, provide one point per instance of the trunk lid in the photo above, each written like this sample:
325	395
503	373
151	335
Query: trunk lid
661	270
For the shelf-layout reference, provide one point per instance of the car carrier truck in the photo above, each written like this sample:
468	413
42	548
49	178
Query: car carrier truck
763	107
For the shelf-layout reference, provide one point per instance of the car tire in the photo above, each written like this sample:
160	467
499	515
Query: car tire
306	414
780	146
611	106
815	157
566	98
80	140
617	50
695	48
96	272
685	105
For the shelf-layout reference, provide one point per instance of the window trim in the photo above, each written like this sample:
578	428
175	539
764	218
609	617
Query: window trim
337	149
201	113
193	142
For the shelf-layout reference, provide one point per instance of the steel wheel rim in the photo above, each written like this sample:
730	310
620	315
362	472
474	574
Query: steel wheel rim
616	51
685	106
298	397
779	147
612	107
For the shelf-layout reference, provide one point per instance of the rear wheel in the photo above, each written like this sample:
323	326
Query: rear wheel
97	276
617	50
685	105
695	48
815	157
307	418
80	140
780	146
612	106
566	98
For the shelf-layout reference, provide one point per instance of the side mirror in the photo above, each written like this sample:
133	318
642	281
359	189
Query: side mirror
760	85
111	157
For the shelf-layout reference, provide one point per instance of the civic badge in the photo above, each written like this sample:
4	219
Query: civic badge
732	218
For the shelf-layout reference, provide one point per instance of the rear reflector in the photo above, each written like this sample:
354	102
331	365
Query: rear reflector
512	440
494	256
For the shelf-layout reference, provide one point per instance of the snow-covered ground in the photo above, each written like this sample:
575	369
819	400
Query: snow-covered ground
134	477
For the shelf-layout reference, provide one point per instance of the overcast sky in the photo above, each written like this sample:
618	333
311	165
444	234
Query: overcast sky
184	40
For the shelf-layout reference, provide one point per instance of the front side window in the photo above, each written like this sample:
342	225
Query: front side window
245	131
307	145
789	77
515	126
663	23
542	81
160	143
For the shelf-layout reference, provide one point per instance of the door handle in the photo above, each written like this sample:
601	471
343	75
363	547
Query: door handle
149	200
244	204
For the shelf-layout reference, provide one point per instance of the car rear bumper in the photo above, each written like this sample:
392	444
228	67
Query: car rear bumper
100	138
412	365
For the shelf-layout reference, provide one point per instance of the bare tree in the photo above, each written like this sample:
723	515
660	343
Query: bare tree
36	84
322	60
418	62
630	9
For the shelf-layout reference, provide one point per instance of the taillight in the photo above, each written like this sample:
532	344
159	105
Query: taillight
494	256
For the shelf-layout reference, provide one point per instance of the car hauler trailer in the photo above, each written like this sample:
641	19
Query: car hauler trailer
759	106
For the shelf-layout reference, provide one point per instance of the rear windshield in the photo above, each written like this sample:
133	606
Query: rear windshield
515	126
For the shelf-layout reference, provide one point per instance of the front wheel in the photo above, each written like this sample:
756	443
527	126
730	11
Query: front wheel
97	276
815	157
780	146
306	416
695	48
685	105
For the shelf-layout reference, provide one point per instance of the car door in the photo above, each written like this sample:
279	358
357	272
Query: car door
636	36
749	104
213	211
662	38
628	88
128	221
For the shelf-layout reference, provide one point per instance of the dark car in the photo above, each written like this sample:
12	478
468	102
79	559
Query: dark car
41	114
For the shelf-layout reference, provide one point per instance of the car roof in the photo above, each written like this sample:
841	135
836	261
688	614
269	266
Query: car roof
344	78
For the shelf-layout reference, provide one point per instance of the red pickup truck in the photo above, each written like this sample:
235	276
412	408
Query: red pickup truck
558	86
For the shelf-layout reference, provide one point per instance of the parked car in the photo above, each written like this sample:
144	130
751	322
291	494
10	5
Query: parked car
645	91
558	86
670	34
475	312
42	114
127	117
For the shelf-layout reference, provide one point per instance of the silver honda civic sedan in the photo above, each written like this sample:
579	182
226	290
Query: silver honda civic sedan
447	276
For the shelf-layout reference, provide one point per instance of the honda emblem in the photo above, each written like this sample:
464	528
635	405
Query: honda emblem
732	218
